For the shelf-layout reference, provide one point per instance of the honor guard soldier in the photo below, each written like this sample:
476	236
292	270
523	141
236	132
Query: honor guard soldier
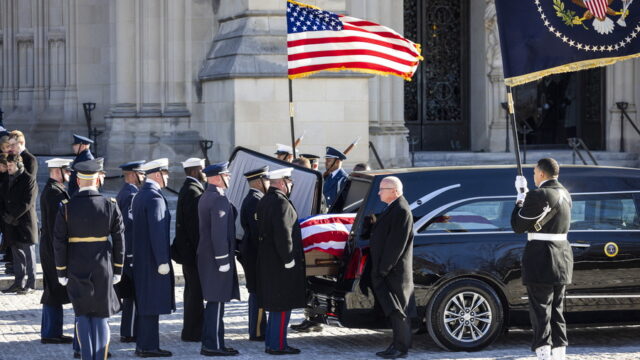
314	160
284	153
81	149
335	177
185	245
281	268
547	262
216	258
258	185
54	294
133	178
86	261
152	271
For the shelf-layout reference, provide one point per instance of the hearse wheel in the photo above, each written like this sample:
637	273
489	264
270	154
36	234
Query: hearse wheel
465	315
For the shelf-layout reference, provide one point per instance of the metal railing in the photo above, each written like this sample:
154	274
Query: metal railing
622	106
576	145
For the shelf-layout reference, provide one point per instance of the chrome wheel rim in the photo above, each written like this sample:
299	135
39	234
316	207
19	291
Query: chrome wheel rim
467	316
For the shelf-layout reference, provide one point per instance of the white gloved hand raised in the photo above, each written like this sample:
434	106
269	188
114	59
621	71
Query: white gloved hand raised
290	264
116	279
521	184
224	268
63	281
163	269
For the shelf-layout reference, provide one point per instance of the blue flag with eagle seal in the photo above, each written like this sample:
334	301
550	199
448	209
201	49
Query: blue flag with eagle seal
544	37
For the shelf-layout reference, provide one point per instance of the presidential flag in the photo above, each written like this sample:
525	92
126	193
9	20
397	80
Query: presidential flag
319	40
544	37
327	233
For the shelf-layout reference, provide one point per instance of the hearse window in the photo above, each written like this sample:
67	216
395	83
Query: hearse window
604	213
352	197
483	215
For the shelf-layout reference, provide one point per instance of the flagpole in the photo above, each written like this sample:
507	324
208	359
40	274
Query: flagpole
514	130
291	113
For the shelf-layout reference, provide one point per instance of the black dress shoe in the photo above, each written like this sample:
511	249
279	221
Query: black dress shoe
392	353
307	326
218	352
127	339
286	351
58	340
153	353
76	355
256	338
25	291
11	289
231	350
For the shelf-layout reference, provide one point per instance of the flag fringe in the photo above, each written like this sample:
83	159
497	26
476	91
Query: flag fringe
576	66
303	4
407	77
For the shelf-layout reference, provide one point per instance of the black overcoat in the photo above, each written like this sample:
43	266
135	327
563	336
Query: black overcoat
52	195
185	245
20	204
85	255
125	288
545	262
391	246
249	244
279	288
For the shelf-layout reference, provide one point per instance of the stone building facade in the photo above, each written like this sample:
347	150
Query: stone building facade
166	74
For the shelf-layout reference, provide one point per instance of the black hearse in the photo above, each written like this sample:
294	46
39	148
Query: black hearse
467	259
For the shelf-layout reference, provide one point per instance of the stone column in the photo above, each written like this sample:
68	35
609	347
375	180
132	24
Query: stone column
495	90
622	79
176	53
124	46
151	58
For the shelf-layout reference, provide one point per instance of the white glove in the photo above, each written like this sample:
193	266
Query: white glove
224	268
163	269
63	281
116	279
521	184
520	198
290	265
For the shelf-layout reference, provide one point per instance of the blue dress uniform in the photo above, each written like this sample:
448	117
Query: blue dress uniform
54	294
216	250
125	289
84	255
334	181
154	291
249	253
83	156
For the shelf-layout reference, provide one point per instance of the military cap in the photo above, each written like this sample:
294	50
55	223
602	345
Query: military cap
283	149
191	162
155	166
258	173
132	166
89	169
58	163
280	173
312	158
78	139
217	169
333	153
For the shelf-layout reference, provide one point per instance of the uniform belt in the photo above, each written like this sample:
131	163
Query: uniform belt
546	237
87	239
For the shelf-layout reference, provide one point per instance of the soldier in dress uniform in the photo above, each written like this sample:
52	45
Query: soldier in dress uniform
81	148
335	177
314	160
152	270
284	152
216	258
133	178
183	250
258	185
547	261
281	268
86	261
54	294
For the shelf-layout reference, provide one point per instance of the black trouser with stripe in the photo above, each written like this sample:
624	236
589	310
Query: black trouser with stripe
546	303
213	329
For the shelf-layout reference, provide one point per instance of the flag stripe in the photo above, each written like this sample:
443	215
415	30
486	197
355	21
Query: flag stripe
303	46
353	60
345	66
352	35
376	31
332	53
334	228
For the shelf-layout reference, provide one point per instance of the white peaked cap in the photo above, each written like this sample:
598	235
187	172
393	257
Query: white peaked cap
155	164
191	162
280	173
281	148
58	162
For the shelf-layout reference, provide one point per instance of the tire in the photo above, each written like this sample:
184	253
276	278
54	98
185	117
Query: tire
474	316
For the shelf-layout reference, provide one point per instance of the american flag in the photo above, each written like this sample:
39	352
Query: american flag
327	233
319	40
597	7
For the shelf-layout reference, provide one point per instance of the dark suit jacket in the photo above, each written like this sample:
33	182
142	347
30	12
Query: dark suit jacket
249	245
20	205
391	247
183	250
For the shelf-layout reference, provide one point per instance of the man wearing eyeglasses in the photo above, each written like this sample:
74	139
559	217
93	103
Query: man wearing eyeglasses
391	246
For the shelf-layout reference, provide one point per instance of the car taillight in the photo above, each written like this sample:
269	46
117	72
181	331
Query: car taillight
355	265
